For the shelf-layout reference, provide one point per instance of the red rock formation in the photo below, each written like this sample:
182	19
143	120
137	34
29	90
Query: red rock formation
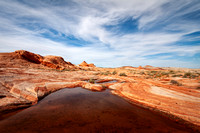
148	66
85	64
35	58
140	67
51	61
91	65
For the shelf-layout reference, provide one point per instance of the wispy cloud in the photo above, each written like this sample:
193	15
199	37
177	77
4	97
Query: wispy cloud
89	30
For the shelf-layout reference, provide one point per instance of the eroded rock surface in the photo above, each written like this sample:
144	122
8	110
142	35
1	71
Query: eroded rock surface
85	64
26	77
51	61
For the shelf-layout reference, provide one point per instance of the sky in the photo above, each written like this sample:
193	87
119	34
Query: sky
108	33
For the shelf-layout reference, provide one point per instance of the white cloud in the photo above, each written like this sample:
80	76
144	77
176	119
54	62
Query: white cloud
86	20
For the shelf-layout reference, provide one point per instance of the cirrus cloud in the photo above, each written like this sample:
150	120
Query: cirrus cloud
108	33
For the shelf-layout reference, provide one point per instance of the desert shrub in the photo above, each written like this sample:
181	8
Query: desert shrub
158	75
97	73
177	75
154	72
150	74
122	74
114	72
66	69
198	87
174	82
103	86
107	73
164	73
91	80
142	73
186	75
193	76
171	72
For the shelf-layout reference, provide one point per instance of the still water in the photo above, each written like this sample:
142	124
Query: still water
79	110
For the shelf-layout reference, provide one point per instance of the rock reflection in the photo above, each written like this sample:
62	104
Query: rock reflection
80	110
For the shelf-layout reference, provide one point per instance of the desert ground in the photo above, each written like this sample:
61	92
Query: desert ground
26	78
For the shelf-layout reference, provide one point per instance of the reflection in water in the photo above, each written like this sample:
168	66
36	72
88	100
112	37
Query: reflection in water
80	110
111	81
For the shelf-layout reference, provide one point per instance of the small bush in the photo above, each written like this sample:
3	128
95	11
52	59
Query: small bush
158	76
114	72
91	80
177	75
198	87
142	73
174	82
171	72
164	73
97	73
103	86
193	76
154	72
66	69
106	73
122	74
186	75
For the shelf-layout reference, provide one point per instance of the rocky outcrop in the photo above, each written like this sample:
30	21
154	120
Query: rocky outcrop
35	58
85	64
55	62
91	65
148	66
140	67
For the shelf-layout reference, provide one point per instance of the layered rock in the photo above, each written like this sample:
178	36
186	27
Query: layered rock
91	65
51	61
140	67
26	77
35	58
85	64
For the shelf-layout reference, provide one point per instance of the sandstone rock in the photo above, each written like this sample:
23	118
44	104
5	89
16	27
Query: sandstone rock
91	65
55	62
35	58
140	67
85	64
94	87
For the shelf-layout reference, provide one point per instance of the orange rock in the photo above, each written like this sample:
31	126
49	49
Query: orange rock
55	62
140	67
91	65
148	66
35	58
85	64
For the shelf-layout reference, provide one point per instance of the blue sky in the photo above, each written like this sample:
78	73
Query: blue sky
108	33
